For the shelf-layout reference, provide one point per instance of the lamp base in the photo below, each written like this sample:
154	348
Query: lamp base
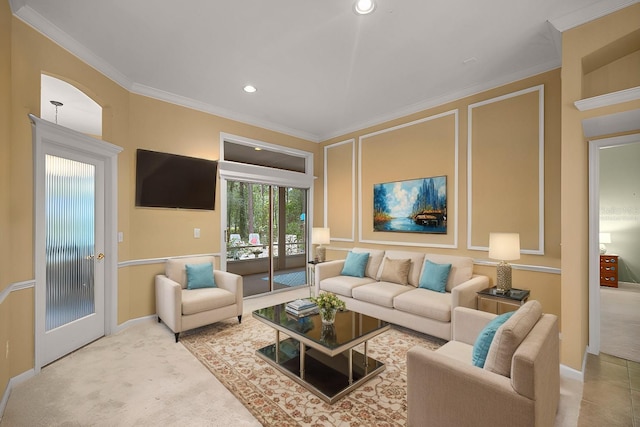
503	283
603	249
321	253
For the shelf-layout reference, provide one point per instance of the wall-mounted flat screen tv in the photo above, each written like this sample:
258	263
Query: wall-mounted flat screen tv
166	180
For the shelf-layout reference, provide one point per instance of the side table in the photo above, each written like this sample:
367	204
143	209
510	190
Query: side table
311	275
609	270
492	301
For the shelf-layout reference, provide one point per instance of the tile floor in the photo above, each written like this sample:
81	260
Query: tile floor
611	392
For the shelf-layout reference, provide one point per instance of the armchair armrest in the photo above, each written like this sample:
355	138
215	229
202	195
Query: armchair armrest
169	302
327	269
444	391
464	295
231	282
468	323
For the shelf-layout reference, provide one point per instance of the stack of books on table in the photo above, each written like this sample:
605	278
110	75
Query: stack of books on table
301	307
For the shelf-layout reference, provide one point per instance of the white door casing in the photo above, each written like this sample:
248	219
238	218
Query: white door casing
49	138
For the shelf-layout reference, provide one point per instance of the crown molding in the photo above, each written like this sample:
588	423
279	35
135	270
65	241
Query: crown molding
161	95
32	18
589	13
631	94
453	96
49	30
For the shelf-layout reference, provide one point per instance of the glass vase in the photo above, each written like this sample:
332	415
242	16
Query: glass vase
328	316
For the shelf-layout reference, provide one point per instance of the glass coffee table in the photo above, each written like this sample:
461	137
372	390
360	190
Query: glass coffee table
322	358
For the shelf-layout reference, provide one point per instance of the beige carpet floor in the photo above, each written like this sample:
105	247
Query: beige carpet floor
138	377
620	321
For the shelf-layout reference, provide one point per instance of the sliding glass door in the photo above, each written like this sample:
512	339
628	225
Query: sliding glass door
266	235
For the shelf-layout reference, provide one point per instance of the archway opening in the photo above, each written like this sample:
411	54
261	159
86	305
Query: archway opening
66	105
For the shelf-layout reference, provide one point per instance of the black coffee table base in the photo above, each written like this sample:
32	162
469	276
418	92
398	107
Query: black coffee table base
325	376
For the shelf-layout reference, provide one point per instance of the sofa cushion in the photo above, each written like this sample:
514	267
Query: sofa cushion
379	293
200	276
485	337
417	258
461	268
343	285
355	264
425	303
434	276
375	259
509	336
395	271
175	268
457	350
199	300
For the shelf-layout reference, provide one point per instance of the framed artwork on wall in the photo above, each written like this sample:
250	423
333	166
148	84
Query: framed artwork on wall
412	206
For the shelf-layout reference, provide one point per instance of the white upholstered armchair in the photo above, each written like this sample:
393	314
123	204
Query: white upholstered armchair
181	308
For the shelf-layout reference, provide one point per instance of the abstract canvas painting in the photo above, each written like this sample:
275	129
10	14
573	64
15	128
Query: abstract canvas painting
413	206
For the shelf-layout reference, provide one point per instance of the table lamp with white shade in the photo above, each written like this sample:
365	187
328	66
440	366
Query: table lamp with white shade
320	236
604	238
504	247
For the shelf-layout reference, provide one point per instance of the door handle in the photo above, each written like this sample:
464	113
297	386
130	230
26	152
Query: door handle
100	256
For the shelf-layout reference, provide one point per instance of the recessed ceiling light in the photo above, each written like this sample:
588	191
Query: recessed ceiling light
364	7
257	148
250	89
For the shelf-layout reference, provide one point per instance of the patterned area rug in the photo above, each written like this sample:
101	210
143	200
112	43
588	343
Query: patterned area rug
227	349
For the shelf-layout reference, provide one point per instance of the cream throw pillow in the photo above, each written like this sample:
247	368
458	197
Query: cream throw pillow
509	336
396	271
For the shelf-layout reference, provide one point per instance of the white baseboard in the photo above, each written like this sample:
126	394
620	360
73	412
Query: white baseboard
12	383
574	374
571	373
130	323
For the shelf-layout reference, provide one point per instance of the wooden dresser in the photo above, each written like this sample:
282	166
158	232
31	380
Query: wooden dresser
609	270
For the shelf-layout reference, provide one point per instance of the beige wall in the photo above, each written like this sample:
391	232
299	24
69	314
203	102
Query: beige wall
505	135
129	121
599	36
5	138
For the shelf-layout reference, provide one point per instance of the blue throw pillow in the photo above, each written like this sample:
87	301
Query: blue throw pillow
435	276
483	342
200	276
355	264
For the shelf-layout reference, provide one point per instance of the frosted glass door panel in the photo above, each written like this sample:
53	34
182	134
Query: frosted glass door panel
70	240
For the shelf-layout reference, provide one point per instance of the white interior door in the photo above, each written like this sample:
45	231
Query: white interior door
75	246
74	251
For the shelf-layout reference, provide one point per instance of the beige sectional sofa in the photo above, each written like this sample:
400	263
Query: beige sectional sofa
396	297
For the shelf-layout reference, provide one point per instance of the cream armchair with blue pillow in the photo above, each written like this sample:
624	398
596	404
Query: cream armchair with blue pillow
514	381
192	293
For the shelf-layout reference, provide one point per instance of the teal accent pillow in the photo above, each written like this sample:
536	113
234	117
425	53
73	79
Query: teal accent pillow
200	276
434	276
483	342
355	264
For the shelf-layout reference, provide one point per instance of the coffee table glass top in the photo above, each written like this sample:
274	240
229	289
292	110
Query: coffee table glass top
348	326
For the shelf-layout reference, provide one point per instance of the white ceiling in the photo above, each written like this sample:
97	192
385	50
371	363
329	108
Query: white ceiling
320	69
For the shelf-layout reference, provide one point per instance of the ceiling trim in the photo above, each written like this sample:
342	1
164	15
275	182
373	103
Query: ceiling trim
441	100
46	28
589	13
54	33
184	101
631	94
